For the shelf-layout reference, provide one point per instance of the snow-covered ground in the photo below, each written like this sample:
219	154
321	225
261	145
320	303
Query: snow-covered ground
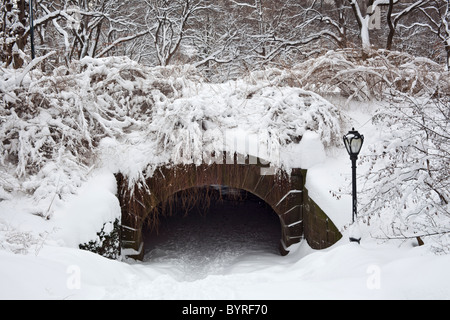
346	271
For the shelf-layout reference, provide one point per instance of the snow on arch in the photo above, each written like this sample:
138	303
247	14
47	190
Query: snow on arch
188	119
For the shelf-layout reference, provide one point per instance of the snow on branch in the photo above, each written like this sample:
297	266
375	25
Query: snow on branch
409	178
121	40
344	73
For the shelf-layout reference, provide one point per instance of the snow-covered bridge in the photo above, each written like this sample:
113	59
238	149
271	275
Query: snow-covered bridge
175	133
285	192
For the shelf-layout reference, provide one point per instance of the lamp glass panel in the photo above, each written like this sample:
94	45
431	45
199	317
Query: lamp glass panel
347	144
356	144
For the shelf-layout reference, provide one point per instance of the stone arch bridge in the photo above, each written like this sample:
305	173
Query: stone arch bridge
300	218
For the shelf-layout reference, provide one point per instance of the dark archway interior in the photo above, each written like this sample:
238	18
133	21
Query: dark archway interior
222	224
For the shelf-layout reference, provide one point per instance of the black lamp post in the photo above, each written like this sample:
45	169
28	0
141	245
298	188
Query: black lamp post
353	143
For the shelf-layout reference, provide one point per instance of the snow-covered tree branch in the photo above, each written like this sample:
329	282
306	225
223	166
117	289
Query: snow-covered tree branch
409	177
168	24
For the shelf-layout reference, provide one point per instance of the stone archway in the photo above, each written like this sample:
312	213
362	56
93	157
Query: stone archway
284	193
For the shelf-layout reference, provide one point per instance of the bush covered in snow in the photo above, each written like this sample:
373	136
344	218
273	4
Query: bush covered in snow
408	181
346	74
107	243
17	241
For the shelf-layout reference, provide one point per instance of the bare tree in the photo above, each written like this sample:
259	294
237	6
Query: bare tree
394	18
168	23
338	22
90	28
437	14
213	42
363	11
253	16
75	28
270	30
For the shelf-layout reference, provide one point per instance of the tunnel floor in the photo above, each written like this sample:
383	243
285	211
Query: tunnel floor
196	244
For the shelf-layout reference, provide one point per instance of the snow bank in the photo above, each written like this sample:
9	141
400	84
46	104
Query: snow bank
347	271
86	213
311	151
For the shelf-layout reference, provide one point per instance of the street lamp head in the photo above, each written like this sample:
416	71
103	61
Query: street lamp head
353	143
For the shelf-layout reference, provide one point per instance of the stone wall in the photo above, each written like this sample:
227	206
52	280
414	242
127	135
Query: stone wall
319	230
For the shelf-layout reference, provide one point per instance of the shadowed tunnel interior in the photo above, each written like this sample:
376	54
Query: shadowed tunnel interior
218	227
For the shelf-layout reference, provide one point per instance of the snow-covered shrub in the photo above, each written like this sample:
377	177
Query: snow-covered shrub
51	125
345	73
103	112
408	181
17	241
107	243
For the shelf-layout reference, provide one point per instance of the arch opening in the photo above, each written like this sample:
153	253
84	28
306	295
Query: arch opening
207	228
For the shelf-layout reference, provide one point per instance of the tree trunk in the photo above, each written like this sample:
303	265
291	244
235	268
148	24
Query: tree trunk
363	23
391	25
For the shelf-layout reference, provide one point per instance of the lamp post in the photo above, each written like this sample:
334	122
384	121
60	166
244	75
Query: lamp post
353	142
